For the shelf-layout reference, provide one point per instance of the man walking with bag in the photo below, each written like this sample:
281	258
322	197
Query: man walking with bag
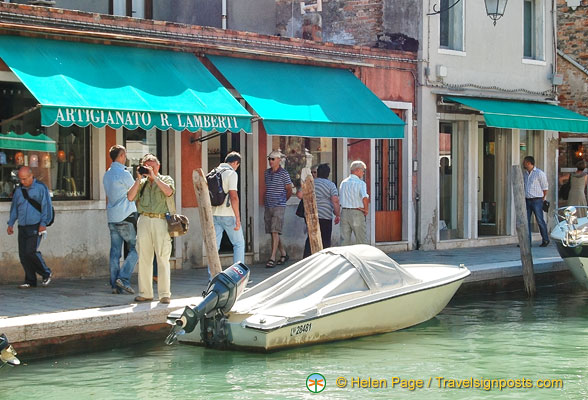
226	217
536	187
152	192
122	220
31	206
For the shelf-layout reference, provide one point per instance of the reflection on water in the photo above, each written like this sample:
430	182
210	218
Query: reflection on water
507	337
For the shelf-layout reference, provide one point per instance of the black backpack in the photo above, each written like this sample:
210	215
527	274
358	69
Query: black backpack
36	204
215	186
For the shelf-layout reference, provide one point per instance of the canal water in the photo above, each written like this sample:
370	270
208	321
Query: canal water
479	343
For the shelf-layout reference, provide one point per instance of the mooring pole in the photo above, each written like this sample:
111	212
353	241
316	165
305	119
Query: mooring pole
523	234
206	223
311	215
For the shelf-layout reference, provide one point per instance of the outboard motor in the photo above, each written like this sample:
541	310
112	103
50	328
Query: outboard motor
219	298
7	353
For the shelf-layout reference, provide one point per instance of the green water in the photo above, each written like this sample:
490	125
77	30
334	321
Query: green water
498	337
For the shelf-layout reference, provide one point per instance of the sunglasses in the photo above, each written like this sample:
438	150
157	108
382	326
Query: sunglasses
271	158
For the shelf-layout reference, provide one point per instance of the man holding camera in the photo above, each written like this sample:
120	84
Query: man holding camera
32	224
122	220
151	191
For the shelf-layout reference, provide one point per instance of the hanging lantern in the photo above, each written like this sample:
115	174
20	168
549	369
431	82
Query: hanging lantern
34	161
46	160
19	158
495	9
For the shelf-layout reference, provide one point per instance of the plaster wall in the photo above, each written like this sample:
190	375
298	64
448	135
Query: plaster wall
77	244
259	17
493	55
193	12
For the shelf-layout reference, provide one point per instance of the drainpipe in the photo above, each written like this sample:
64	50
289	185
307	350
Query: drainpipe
224	14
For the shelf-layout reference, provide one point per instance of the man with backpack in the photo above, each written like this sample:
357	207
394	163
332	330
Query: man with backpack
225	210
31	206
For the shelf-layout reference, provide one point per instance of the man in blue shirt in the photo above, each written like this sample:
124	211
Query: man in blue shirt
31	226
122	220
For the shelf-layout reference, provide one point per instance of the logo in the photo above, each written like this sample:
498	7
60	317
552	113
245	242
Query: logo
316	383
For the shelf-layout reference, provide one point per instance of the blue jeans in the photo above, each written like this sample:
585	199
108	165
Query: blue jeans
122	232
227	224
535	206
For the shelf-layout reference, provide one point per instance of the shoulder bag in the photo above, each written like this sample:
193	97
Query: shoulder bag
177	224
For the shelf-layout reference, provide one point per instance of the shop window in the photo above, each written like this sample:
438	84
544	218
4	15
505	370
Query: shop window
139	142
305	153
58	156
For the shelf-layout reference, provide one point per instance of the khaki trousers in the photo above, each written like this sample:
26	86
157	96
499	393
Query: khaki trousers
152	237
353	220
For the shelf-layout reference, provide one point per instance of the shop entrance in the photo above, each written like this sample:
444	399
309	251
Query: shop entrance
493	166
218	148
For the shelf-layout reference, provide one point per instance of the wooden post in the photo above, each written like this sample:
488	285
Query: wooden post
311	215
518	189
207	226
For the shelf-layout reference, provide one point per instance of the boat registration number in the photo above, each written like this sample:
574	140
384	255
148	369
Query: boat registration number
297	330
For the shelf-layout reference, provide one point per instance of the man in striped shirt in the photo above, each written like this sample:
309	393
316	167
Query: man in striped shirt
278	189
327	204
535	193
354	203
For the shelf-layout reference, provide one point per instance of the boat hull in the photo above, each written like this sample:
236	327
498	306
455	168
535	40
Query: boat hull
576	259
386	315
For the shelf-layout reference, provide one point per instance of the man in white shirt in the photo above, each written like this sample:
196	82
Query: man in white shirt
354	205
226	217
536	187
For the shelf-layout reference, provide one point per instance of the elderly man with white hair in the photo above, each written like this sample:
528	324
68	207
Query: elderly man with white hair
354	202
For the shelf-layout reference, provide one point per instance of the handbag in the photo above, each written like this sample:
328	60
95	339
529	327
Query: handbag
300	209
177	224
564	190
546	206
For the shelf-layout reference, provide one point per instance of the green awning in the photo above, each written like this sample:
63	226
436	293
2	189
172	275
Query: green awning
92	84
302	100
27	142
525	115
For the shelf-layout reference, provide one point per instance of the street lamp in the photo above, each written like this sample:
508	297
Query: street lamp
494	8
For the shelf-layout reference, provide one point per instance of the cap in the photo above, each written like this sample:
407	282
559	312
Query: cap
276	154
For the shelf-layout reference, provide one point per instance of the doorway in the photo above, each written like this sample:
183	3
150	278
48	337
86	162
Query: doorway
493	188
218	148
388	190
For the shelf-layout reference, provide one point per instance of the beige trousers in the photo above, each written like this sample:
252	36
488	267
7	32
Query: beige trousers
152	237
353	221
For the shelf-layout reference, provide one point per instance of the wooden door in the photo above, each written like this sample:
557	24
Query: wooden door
388	190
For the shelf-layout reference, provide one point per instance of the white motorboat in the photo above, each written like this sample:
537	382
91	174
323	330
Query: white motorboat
337	293
571	237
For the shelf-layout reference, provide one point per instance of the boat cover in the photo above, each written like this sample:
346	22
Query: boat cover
331	275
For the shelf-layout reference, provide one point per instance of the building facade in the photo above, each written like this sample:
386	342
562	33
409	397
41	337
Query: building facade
73	152
471	71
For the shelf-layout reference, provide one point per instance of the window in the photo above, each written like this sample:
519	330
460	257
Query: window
451	25
58	156
305	153
131	8
532	30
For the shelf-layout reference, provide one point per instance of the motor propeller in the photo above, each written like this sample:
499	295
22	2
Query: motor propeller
220	295
7	353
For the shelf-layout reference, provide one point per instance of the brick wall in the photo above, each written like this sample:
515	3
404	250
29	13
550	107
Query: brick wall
357	22
573	41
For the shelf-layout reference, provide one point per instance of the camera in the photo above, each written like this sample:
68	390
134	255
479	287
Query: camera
14	177
142	170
